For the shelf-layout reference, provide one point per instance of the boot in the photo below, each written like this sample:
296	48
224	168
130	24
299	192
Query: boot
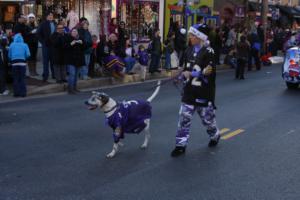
32	68
178	151
71	91
76	90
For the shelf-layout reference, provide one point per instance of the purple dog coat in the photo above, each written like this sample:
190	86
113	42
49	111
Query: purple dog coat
130	117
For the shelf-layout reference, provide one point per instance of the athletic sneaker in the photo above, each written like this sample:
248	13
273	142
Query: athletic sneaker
5	93
178	151
214	141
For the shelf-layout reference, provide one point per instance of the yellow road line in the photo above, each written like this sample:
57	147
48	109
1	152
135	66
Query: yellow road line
232	134
224	130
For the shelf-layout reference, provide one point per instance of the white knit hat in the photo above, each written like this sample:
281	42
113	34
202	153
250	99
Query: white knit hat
31	15
182	31
196	32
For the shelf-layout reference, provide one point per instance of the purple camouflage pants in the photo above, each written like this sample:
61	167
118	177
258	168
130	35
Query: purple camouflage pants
207	115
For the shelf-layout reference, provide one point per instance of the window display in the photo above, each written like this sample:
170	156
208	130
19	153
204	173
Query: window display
144	18
9	14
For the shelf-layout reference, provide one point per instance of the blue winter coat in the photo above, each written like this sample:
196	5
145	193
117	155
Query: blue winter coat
18	50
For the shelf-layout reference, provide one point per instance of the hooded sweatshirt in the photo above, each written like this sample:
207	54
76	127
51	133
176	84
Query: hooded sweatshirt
18	51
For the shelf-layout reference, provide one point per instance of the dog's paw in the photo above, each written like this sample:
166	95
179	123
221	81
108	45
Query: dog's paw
144	146
111	155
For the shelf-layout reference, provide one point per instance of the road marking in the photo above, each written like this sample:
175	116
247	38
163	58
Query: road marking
232	134
224	130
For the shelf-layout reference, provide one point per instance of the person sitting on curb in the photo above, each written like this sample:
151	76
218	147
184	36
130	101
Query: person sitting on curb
114	65
18	55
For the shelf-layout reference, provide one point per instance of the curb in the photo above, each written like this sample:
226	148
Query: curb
102	82
95	83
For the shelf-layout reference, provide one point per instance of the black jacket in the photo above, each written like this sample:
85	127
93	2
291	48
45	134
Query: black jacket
1	58
87	37
22	29
102	51
32	39
58	51
156	46
199	90
44	33
180	41
74	55
242	50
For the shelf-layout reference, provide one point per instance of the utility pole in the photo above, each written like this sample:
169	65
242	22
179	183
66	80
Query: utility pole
246	17
264	16
79	8
184	14
131	23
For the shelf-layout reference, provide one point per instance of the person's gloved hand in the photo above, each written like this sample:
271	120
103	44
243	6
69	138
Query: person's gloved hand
195	73
208	70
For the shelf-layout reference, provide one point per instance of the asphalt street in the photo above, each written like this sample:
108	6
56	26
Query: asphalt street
53	148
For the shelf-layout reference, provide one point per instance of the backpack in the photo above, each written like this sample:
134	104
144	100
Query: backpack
257	46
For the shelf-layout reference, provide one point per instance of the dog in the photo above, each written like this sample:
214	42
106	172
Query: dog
125	117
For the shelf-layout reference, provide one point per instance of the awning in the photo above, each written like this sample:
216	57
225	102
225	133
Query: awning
297	9
254	7
290	11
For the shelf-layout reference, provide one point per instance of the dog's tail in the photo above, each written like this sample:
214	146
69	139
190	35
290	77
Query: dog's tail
155	93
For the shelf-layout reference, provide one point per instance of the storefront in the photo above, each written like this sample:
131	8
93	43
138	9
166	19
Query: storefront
283	16
174	12
72	10
231	12
146	14
10	9
144	19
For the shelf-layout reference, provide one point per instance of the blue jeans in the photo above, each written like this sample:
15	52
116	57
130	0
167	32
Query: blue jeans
168	60
84	70
46	60
19	74
73	74
154	64
2	79
129	63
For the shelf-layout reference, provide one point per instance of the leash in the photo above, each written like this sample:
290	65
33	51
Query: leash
172	79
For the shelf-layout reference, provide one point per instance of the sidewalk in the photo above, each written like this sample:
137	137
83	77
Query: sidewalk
35	85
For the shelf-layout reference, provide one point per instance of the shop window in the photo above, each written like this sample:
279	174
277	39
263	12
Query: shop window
9	13
144	19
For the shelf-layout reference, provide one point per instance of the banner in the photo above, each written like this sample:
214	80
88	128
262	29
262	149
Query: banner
175	9
240	11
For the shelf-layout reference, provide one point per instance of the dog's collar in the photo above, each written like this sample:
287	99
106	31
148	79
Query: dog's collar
108	111
104	104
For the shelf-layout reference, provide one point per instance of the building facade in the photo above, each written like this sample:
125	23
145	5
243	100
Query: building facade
10	9
175	11
282	12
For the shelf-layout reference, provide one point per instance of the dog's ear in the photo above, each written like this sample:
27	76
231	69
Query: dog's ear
94	92
104	98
